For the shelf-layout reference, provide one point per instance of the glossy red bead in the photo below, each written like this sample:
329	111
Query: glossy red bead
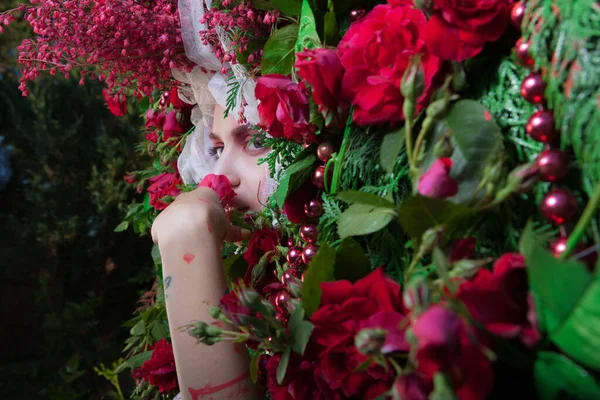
309	232
533	88
553	165
541	127
294	256
324	151
516	15
288	275
522	53
313	208
318	178
559	206
309	253
282	299
356	14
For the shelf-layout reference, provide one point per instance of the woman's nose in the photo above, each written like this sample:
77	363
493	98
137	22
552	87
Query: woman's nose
227	165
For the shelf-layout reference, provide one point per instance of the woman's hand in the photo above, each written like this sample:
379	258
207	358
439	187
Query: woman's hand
194	211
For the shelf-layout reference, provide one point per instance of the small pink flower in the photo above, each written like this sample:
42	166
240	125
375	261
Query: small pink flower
436	181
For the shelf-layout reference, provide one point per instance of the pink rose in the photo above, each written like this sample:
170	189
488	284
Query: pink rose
176	123
154	119
221	185
436	181
283	109
376	51
323	70
460	28
161	186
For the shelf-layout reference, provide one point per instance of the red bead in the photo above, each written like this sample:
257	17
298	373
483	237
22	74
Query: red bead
164	100
282	299
516	15
318	178
294	256
553	164
522	52
309	232
559	206
558	246
324	151
541	127
313	208
291	242
533	88
288	275
309	253
357	14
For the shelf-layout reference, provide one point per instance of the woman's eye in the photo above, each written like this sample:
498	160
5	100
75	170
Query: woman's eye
216	151
255	144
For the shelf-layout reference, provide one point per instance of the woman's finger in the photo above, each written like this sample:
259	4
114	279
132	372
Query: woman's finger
236	234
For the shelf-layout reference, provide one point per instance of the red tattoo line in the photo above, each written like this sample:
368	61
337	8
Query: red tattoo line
188	257
208	389
209	227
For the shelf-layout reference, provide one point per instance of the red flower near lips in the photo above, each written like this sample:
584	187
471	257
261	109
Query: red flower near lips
460	28
117	103
221	185
161	186
283	109
159	370
376	52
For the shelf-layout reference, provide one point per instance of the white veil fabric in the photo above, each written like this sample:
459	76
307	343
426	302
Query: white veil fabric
205	87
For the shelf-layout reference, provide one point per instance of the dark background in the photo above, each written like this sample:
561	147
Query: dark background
68	281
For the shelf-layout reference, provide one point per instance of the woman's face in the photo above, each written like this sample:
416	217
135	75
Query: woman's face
237	158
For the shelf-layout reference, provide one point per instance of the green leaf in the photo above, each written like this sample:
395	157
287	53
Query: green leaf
262	5
155	253
477	143
558	377
147	206
308	38
135	361
279	57
144	104
254	366
289	7
442	265
418	213
442	388
138	329
294	177
158	331
122	226
320	270
300	330
331	31
569	296
354	196
351	262
362	219
235	267
391	146
282	367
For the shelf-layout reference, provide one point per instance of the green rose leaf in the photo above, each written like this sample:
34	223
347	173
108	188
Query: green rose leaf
122	226
135	361
144	104
351	262
235	268
362	219
391	146
569	298
294	177
262	5
278	56
419	213
138	329
158	331
300	330
320	270
282	367
254	366
557	377
356	197
331	31
289	7
308	38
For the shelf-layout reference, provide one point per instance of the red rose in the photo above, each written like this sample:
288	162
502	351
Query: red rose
445	345
376	51
460	28
324	71
159	370
221	185
152	137
261	242
230	304
462	249
499	299
436	181
117	104
293	207
161	186
176	122
176	101
283	109
411	387
344	307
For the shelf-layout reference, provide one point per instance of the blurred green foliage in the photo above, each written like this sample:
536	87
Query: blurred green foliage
67	280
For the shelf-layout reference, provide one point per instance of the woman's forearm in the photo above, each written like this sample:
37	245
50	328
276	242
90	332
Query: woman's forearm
194	278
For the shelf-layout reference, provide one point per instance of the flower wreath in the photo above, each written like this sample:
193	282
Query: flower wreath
434	232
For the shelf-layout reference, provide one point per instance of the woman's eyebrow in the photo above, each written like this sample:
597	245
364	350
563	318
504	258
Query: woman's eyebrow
240	130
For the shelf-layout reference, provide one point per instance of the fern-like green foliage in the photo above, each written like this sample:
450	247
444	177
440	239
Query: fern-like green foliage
564	37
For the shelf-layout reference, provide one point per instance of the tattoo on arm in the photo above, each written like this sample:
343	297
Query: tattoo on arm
168	282
188	257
